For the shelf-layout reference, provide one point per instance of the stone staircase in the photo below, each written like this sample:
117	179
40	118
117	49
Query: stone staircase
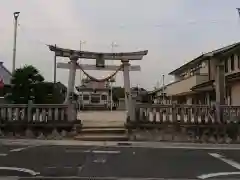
102	134
102	126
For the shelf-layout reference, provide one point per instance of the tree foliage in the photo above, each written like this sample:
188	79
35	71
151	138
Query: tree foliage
118	92
24	85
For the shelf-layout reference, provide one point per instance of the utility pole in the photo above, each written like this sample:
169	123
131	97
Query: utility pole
163	89
15	15
55	68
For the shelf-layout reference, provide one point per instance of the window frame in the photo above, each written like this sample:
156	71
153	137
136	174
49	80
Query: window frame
232	62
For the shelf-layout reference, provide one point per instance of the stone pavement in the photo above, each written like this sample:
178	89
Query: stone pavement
102	118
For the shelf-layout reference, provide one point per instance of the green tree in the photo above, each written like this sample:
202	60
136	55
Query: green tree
118	92
24	85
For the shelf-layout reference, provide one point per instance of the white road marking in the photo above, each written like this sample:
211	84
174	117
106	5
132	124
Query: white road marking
224	159
97	178
29	171
3	154
80	168
67	167
76	151
23	148
92	151
100	160
9	178
105	152
211	175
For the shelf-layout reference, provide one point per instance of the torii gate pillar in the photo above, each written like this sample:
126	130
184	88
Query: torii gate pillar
127	88
71	78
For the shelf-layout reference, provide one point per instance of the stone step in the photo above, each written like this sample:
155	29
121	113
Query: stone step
101	137
102	130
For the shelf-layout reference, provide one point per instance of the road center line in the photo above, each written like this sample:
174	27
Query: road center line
224	159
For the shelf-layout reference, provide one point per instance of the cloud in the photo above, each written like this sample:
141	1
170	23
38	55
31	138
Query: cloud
174	31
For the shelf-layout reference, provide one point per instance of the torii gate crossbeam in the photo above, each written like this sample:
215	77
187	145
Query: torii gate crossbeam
74	55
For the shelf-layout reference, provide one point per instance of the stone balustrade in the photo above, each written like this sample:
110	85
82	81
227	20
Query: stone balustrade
37	119
177	122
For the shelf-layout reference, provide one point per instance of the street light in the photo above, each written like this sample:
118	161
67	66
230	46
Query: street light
15	15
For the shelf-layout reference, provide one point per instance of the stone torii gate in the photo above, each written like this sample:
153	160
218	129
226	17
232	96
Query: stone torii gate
100	57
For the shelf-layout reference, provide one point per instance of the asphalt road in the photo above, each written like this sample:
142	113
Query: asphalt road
117	162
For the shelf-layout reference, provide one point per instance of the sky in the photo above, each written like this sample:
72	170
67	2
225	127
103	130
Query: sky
173	31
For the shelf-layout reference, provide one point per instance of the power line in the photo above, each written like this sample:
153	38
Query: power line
25	34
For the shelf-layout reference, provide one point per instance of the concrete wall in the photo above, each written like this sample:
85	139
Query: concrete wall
204	69
185	85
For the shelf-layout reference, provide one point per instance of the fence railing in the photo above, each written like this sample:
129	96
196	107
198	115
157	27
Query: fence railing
51	121
195	123
185	114
36	113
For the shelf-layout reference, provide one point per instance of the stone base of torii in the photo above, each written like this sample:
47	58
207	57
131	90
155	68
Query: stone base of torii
125	59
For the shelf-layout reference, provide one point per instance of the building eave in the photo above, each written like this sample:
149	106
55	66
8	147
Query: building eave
205	56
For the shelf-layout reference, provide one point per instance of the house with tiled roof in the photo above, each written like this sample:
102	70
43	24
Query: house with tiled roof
196	81
5	78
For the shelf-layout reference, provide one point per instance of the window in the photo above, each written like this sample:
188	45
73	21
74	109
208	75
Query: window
238	60
232	63
226	65
104	97
95	99
85	97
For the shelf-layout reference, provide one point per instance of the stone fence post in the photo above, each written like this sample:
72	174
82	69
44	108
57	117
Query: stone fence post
29	111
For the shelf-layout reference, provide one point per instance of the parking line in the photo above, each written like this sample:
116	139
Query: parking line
3	154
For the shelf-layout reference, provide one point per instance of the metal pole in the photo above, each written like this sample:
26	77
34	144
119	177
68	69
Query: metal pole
55	68
111	95
80	72
163	89
15	15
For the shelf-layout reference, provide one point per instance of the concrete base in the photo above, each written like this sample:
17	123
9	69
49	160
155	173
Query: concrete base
161	135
